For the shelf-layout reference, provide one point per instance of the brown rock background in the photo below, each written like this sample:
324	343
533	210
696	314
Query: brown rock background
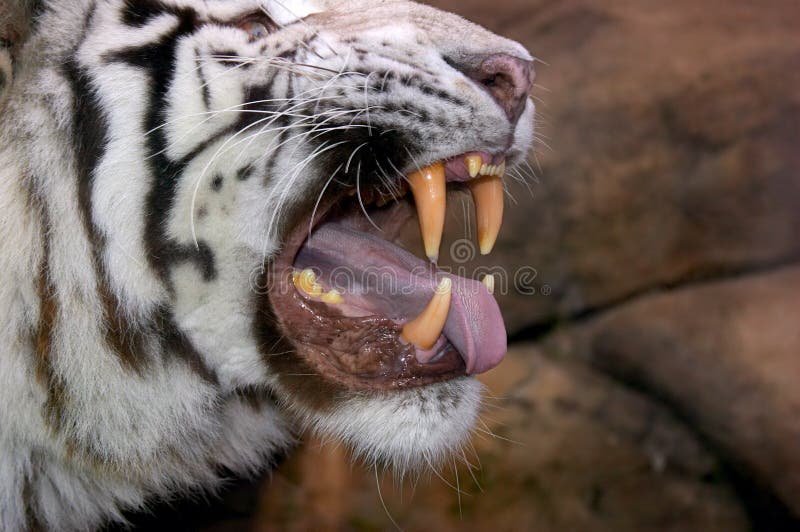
671	153
653	274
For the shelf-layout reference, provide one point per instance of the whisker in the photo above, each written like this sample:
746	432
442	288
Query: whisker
448	484
360	200
470	469
383	503
487	431
319	199
458	491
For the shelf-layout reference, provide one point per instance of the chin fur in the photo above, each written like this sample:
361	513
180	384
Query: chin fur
409	430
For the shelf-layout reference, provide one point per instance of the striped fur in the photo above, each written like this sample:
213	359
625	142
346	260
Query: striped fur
152	156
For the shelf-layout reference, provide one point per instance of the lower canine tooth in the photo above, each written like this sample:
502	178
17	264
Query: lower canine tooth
426	328
487	192
488	282
429	189
306	282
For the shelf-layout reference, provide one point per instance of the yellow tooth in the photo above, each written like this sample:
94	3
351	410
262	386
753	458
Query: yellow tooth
484	169
306	282
426	328
334	297
429	189
474	163
487	192
488	282
501	170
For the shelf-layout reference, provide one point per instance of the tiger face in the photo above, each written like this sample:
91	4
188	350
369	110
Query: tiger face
221	184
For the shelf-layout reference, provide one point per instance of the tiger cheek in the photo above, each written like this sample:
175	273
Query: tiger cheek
181	182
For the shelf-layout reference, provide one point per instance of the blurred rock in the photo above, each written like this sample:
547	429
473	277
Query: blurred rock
674	130
726	357
562	448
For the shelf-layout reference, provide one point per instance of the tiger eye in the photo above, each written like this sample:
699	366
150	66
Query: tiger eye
255	30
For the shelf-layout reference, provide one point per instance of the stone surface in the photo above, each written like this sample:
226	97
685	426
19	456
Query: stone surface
725	356
672	130
562	448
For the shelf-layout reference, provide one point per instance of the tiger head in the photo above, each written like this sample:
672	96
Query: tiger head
222	183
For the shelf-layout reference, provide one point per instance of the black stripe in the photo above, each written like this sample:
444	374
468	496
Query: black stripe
175	341
258	99
230	58
139	13
201	256
29	500
202	77
203	145
244	173
158	59
90	131
90	134
48	314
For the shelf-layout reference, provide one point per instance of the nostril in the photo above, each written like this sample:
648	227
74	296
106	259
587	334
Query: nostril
506	78
499	82
494	80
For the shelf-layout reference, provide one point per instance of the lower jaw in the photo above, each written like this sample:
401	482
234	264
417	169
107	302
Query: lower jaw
359	353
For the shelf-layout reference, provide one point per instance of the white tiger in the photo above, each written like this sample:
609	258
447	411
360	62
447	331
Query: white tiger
182	185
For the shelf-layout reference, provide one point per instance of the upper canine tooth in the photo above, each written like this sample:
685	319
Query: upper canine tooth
425	329
429	189
487	193
474	163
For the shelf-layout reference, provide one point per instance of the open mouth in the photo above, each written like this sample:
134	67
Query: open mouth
363	311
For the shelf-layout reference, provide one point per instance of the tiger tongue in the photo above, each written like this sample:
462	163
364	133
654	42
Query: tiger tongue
378	277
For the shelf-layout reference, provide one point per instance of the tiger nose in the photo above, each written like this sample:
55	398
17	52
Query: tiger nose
508	79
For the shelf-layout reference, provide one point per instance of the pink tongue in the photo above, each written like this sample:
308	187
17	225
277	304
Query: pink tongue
378	277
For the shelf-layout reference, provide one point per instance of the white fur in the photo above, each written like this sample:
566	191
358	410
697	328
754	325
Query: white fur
409	432
127	438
